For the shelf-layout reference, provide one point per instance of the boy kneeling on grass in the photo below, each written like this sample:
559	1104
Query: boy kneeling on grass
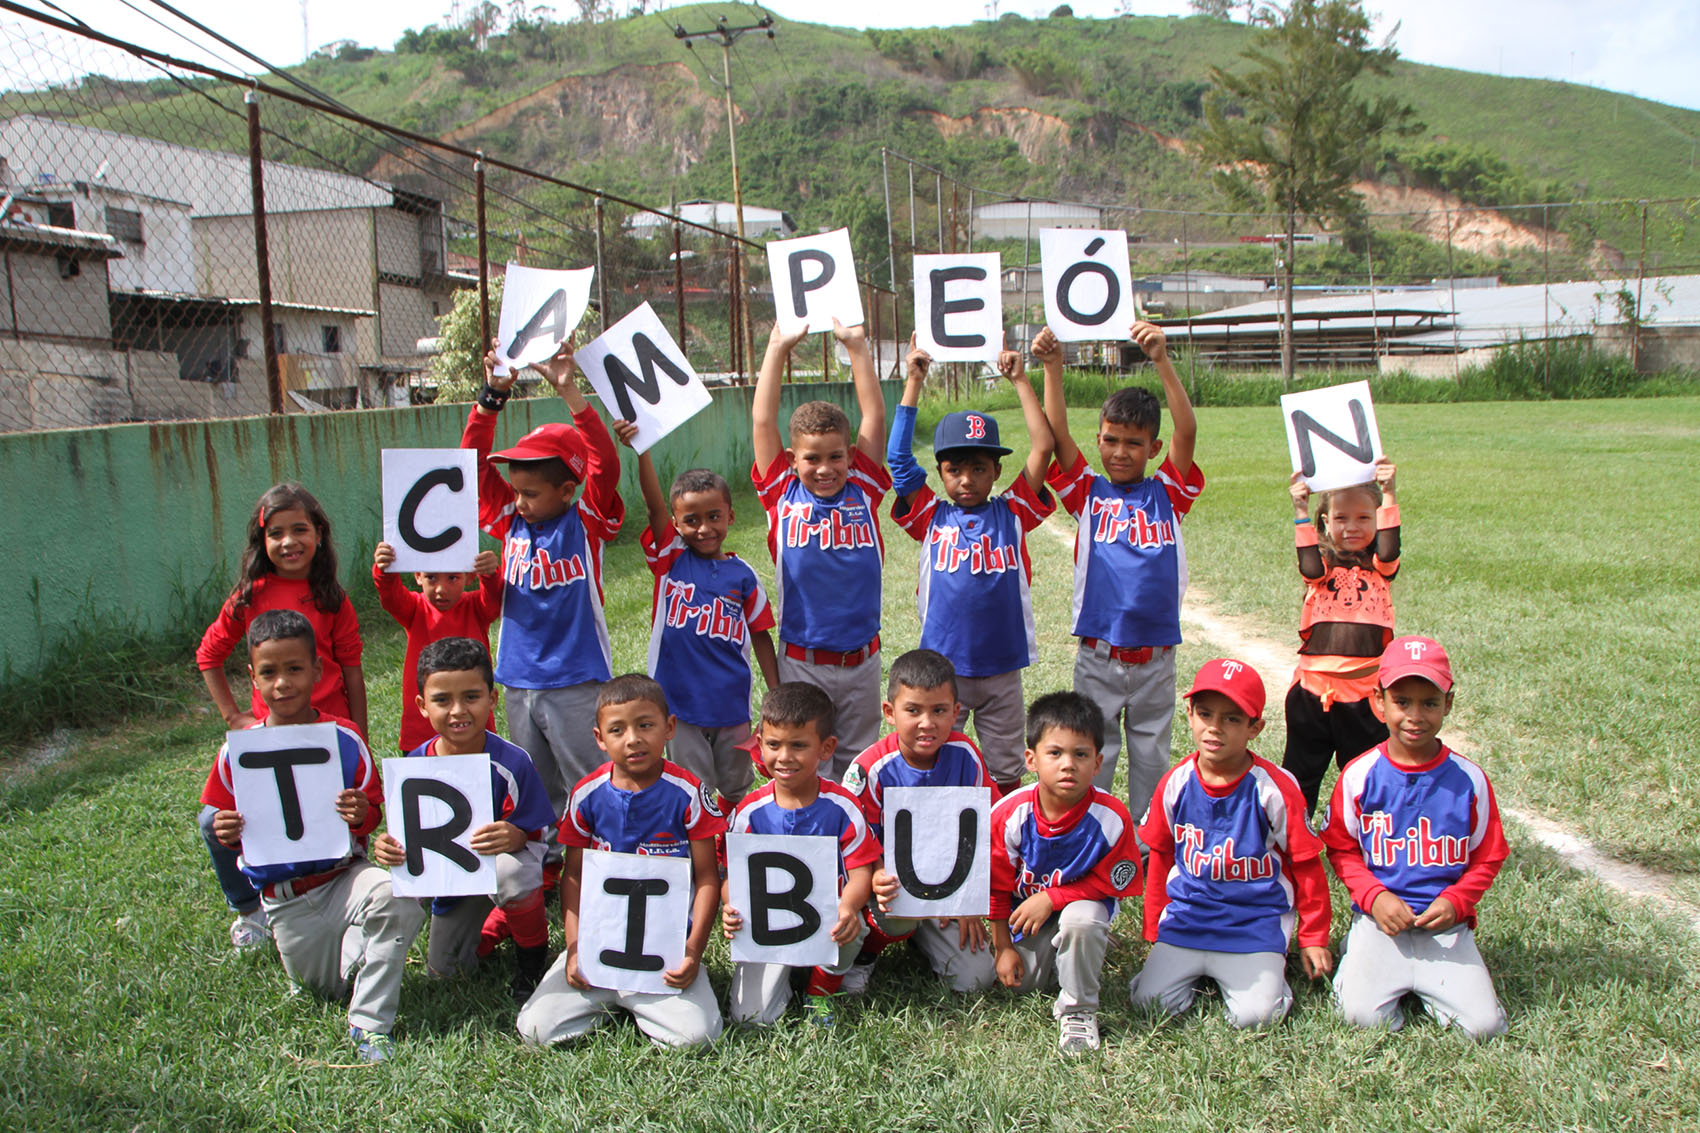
1234	864
311	905
458	696
1413	833
1065	851
796	740
636	803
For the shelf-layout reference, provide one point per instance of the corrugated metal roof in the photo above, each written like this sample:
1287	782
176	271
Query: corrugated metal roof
211	182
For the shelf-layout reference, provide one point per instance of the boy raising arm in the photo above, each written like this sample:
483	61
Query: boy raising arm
1129	561
822	497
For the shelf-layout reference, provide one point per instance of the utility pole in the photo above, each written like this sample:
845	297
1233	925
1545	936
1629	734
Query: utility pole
726	35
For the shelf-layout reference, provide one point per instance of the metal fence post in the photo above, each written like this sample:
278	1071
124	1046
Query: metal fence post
262	255
679	283
601	275
483	258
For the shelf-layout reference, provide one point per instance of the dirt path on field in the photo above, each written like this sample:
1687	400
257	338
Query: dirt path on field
1274	663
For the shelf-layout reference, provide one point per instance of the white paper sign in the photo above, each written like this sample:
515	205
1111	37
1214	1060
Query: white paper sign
814	280
540	308
959	307
1331	435
642	376
433	804
786	888
633	913
286	780
431	507
1088	283
938	845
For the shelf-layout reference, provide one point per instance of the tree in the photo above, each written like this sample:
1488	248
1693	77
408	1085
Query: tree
1214	9
1291	132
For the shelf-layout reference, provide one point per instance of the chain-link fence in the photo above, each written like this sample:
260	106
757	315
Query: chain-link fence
182	241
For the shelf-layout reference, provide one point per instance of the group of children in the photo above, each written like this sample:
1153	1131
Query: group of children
652	764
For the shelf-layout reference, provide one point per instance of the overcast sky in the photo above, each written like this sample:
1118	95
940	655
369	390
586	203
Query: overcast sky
1649	49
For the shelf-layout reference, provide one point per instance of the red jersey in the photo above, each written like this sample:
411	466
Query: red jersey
336	637
424	623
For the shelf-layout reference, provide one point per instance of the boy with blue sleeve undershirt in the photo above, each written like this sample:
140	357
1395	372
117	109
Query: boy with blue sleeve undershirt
974	594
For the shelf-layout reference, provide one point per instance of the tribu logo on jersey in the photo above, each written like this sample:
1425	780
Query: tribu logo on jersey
1112	524
1220	863
1030	883
716	618
1420	847
841	528
541	573
982	556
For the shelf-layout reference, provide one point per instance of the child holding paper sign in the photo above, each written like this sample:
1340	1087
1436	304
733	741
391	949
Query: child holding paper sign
708	613
822	497
924	749
442	607
796	739
457	698
636	803
1348	556
973	594
554	650
1129	561
288	564
311	905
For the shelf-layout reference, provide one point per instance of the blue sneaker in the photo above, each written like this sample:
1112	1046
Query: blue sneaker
371	1046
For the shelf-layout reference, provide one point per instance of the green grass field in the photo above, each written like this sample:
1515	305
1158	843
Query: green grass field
1547	545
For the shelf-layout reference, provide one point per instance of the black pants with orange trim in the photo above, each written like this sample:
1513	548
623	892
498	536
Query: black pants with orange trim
1345	731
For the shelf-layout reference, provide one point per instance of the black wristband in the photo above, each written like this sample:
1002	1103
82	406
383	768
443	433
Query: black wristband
492	398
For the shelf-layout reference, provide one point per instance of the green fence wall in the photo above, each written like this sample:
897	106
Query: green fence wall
128	521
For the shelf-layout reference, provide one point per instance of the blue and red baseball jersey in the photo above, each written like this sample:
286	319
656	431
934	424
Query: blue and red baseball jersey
516	790
1422	832
881	766
1233	868
554	633
663	819
827	554
358	772
973	593
701	617
1129	561
835	813
1089	854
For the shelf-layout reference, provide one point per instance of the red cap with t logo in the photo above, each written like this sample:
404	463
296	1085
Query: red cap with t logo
1235	680
1415	657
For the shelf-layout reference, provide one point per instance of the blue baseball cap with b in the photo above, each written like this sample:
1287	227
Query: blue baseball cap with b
968	429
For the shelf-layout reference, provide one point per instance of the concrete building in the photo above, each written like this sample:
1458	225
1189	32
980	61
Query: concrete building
335	241
1016	220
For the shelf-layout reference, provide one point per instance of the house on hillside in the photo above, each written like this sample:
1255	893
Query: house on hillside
1019	220
371	257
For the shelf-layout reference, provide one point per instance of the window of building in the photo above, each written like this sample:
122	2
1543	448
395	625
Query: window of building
330	338
125	224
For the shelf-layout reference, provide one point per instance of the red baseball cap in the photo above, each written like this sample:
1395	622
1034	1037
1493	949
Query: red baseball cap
545	441
1235	680
1415	657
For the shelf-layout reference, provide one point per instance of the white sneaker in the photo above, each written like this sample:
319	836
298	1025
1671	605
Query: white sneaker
1079	1032
856	979
250	930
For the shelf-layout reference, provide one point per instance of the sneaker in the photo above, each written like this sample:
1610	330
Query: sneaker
371	1046
1079	1032
821	1010
533	962
250	930
856	979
